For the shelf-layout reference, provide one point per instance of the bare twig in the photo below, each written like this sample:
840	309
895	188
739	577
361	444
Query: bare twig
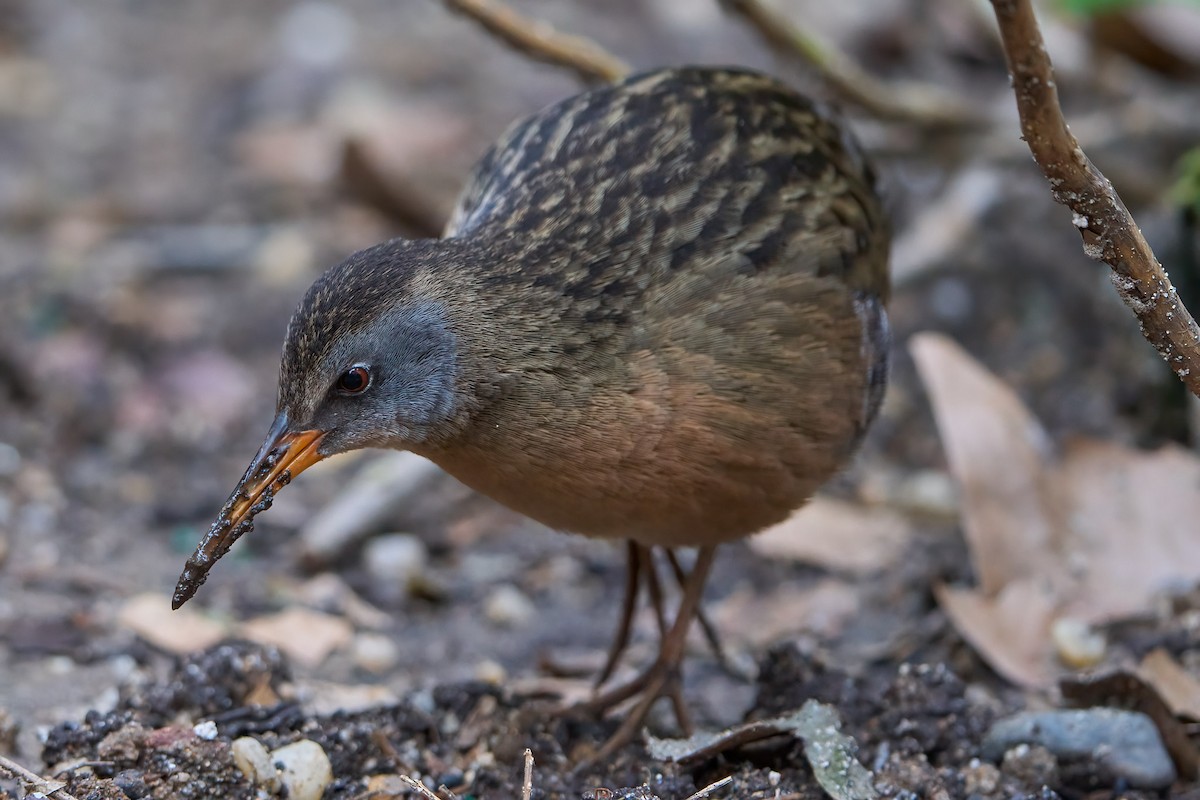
527	781
926	105
591	62
386	193
712	787
1108	230
418	787
33	782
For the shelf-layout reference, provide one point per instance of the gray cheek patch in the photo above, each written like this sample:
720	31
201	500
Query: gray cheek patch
423	367
412	354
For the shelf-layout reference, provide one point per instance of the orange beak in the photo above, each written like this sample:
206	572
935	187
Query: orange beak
283	456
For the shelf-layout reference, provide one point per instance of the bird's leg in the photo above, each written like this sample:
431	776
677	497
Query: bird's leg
654	589
663	676
710	631
633	569
639	566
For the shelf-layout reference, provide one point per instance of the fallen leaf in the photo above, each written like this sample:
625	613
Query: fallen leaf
1133	525
821	609
1175	685
1094	535
831	754
184	631
837	535
306	636
1010	630
997	453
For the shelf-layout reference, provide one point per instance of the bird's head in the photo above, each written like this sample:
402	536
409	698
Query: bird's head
370	360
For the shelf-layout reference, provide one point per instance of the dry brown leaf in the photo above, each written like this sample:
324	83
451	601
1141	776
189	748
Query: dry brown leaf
306	636
150	616
822	609
837	535
1133	524
997	452
1010	630
1094	536
1175	685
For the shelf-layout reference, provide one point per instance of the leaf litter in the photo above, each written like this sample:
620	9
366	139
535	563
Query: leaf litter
1097	532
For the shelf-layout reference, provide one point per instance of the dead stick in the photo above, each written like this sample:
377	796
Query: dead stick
926	105
591	62
31	780
418	787
1108	230
712	787
527	780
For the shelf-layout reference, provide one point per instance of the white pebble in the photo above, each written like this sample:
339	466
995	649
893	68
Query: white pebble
1077	644
396	558
206	730
490	672
375	652
254	761
508	606
304	769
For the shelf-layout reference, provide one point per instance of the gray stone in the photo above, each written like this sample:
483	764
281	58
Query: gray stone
1125	742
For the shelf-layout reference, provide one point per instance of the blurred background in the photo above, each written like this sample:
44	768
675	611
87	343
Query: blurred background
174	175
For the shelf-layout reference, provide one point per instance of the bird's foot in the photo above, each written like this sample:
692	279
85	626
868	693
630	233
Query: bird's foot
664	677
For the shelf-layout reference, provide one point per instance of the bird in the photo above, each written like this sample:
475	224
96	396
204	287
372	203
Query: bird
657	315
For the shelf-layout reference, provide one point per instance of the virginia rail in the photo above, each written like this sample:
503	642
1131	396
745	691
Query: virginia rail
657	315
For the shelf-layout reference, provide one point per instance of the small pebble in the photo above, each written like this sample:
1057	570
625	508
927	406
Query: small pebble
206	730
129	781
396	559
374	652
508	606
1031	765
980	778
107	700
254	761
490	672
1124	742
304	769
929	491
1077	644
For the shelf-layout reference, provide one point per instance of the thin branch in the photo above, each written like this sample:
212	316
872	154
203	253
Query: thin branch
367	180
527	780
32	782
1108	230
712	787
591	62
926	105
418	787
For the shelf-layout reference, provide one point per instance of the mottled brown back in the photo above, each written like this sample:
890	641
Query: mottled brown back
670	297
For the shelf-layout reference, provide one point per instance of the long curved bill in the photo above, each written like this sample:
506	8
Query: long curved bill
283	456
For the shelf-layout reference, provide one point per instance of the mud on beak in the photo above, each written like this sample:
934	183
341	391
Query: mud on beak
283	456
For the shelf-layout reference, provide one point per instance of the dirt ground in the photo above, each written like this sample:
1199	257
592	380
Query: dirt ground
173	176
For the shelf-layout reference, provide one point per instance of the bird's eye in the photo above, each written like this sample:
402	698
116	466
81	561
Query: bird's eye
354	380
